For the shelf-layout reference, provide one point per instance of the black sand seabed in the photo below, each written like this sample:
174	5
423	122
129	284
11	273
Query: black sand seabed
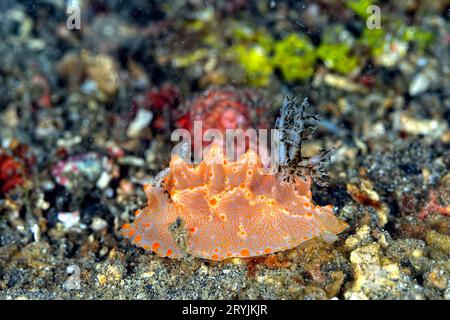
71	92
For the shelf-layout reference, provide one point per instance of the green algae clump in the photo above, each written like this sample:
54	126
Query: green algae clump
256	63
295	57
359	7
389	47
252	51
419	36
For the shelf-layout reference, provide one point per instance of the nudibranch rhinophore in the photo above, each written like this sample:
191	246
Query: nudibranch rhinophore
229	209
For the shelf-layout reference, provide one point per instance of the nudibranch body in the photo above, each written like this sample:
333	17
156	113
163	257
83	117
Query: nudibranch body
229	209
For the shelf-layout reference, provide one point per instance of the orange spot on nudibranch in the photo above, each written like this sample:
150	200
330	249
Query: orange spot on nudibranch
169	252
126	226
213	202
245	253
309	214
215	257
193	229
131	233
267	250
155	246
137	212
137	238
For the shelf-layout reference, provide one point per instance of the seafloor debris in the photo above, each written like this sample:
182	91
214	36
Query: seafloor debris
142	120
223	109
69	219
365	195
88	166
162	102
433	206
378	279
12	172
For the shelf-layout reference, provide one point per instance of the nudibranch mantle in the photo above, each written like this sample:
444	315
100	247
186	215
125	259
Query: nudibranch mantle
229	209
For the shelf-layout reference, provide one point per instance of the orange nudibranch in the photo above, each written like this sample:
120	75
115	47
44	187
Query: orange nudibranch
229	209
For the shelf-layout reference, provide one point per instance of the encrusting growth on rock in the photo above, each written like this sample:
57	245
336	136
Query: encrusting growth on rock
229	209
